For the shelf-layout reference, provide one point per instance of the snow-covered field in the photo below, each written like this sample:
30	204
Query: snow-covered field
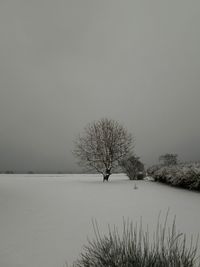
45	219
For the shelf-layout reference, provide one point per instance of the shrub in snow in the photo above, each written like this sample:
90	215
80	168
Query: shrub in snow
133	168
133	248
186	175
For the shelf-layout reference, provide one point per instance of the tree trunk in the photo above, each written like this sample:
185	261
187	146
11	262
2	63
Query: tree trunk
106	175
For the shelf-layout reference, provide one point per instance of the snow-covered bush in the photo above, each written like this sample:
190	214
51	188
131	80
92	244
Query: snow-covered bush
186	175
134	248
133	168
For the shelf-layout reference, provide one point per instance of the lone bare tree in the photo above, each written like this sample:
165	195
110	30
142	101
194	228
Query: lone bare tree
103	145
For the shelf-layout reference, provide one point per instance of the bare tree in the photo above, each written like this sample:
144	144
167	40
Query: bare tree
103	145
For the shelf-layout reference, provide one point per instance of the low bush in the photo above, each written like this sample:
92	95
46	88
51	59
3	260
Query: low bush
185	175
133	248
133	168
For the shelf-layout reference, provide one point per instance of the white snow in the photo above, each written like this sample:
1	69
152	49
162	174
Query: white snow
45	219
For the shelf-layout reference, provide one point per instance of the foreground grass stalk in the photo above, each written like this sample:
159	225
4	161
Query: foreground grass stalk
133	247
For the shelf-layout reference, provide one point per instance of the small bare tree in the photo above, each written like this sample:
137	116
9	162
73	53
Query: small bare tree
102	146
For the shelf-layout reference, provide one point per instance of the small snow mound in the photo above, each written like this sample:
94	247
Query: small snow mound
149	178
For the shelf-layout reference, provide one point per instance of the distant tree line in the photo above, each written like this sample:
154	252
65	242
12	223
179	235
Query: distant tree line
168	159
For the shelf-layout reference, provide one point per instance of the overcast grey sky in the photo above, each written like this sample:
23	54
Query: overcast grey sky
64	63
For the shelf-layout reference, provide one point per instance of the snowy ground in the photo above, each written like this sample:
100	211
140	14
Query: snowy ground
45	219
